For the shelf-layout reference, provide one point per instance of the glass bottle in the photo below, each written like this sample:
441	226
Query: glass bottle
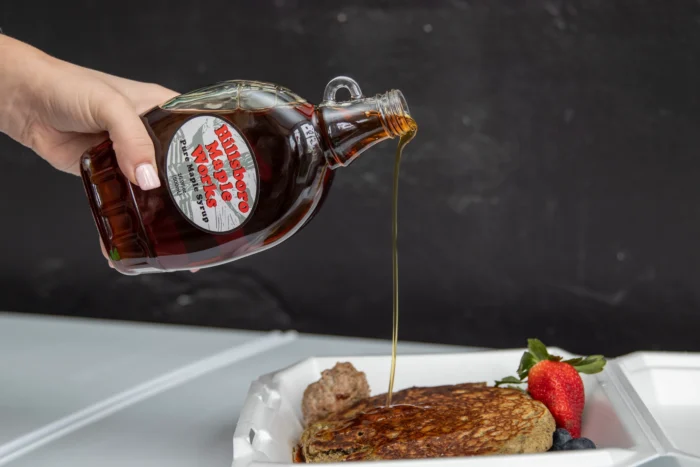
243	165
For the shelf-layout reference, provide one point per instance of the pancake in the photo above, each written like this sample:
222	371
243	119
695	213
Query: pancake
444	421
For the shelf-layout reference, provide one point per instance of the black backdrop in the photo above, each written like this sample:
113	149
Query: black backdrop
552	189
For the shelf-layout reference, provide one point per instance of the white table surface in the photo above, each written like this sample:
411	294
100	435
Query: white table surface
96	393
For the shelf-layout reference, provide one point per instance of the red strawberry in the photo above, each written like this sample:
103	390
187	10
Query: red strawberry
558	386
556	383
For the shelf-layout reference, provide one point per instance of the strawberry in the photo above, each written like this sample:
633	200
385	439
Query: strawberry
556	383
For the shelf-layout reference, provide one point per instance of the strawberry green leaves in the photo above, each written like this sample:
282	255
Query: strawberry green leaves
588	365
509	380
537	349
537	352
526	362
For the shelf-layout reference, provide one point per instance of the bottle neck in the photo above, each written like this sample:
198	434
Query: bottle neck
353	127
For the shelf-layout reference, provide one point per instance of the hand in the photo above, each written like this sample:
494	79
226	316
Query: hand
60	110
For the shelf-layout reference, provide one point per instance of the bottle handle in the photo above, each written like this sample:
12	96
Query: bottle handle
338	83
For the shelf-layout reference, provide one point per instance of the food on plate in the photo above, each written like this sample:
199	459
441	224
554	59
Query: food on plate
343	423
578	443
556	383
560	438
562	441
445	421
338	389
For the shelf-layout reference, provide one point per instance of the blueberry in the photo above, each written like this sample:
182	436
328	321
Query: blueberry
578	443
561	437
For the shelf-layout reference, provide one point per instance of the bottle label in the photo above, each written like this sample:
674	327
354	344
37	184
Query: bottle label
212	174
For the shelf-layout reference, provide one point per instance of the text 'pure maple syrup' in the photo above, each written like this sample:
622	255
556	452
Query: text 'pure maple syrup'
243	166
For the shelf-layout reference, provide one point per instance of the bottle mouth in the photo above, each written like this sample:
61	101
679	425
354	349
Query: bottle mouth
395	113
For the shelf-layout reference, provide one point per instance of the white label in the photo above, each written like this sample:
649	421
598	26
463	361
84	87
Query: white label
212	175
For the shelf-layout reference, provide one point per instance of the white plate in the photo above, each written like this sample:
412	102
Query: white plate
668	385
639	411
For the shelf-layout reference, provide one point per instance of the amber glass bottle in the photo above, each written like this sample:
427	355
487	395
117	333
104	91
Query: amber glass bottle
243	165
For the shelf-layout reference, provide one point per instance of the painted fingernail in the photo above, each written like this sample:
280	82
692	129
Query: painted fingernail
146	177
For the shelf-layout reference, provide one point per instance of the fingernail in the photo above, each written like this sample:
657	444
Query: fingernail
194	270
146	177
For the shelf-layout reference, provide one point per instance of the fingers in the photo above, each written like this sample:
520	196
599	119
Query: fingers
132	144
70	148
143	96
147	95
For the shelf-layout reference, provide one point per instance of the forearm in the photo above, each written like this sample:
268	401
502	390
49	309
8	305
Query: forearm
20	68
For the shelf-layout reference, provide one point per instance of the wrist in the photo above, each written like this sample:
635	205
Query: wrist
20	69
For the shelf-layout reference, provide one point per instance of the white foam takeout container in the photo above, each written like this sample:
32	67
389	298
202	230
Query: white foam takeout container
642	410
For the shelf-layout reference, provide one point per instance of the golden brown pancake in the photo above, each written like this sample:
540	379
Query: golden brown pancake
445	421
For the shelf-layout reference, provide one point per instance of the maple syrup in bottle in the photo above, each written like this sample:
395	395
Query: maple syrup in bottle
243	166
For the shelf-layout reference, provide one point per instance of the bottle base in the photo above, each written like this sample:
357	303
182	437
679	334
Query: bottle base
116	215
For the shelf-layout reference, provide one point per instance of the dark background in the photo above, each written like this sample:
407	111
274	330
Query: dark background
552	189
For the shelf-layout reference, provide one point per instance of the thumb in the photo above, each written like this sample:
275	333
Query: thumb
131	141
